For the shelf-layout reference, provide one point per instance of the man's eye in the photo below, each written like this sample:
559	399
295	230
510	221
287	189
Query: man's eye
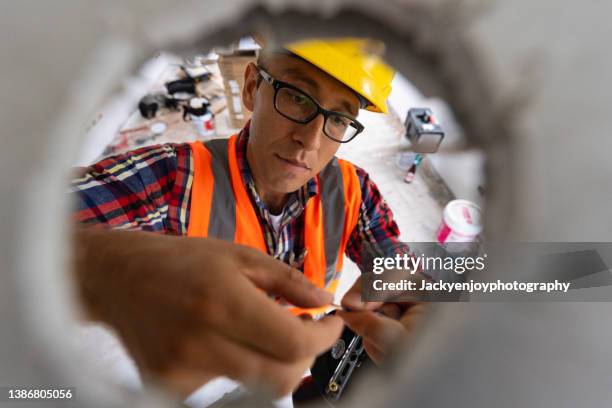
340	121
300	99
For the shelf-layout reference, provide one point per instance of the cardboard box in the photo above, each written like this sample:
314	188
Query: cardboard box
232	66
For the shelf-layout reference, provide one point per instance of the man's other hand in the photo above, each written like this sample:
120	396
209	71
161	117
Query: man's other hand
381	324
190	309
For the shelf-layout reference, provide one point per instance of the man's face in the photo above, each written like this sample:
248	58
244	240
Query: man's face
284	155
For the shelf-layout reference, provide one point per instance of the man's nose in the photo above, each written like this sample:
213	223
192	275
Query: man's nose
309	135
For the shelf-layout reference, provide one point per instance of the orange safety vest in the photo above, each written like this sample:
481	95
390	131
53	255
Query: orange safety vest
221	208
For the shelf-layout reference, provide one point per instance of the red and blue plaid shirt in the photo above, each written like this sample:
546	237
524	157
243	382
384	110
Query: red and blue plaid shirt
150	189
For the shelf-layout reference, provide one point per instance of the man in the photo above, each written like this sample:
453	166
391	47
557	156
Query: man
277	188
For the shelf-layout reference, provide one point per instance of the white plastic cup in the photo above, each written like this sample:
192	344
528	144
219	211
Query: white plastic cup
461	222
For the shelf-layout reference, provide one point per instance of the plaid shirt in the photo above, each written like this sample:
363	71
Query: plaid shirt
150	189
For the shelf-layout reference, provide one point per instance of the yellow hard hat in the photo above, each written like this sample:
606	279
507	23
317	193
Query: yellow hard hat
354	62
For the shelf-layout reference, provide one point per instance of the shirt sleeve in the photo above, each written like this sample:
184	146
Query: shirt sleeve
376	233
144	189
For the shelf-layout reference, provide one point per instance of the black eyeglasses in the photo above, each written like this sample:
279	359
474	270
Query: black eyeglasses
299	107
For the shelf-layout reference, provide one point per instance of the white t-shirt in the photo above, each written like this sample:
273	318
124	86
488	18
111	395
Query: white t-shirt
276	221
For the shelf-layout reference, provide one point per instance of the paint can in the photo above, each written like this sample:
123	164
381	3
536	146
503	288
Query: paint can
199	114
461	222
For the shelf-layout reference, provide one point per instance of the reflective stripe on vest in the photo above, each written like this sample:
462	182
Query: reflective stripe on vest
220	207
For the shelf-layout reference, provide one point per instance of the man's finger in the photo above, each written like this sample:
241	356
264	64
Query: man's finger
250	317
391	310
412	315
374	352
280	279
352	299
379	330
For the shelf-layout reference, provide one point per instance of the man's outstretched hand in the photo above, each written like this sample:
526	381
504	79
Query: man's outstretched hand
382	325
189	309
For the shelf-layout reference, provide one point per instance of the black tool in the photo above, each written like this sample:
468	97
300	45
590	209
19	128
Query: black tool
352	358
332	371
187	85
150	104
199	109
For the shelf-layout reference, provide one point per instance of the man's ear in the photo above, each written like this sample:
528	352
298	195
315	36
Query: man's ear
249	90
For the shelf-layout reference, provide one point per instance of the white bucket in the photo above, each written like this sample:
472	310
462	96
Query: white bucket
461	222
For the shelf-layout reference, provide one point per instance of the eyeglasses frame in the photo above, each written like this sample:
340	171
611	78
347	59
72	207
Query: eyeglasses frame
277	85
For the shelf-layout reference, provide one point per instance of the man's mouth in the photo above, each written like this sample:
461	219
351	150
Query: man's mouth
294	162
